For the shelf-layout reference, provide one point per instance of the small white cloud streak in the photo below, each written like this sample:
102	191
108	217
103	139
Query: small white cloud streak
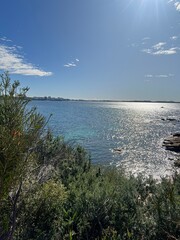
169	51
148	76
170	75
159	45
72	64
162	76
13	62
5	39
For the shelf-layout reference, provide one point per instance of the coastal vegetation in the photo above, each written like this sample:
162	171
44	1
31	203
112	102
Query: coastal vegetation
50	190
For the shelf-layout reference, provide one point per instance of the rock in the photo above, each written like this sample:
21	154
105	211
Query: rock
170	119
172	142
176	134
177	163
118	150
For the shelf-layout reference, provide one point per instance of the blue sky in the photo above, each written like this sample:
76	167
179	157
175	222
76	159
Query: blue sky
93	49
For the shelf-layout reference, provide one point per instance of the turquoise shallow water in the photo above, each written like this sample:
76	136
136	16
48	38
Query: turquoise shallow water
136	128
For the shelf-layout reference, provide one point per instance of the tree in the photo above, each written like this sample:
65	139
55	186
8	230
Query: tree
20	130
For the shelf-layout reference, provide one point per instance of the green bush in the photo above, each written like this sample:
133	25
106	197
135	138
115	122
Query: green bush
20	130
110	203
41	212
105	204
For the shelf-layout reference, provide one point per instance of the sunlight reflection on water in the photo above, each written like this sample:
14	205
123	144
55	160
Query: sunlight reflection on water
138	129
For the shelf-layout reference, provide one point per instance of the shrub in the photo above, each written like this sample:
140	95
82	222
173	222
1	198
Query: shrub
20	131
41	212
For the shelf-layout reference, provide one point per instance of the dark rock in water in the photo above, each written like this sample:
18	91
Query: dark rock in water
176	134
177	163
170	119
118	150
172	142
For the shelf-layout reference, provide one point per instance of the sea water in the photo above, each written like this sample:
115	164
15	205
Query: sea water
136	129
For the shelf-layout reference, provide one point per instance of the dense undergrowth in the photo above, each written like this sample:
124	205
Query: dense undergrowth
50	190
82	201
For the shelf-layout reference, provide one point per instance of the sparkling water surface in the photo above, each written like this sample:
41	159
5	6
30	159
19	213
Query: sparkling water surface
137	129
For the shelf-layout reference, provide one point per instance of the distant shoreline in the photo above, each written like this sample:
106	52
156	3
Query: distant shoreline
91	100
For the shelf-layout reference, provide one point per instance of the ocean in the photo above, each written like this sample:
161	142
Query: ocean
126	134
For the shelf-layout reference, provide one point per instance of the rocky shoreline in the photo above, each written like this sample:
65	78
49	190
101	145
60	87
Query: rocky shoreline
172	143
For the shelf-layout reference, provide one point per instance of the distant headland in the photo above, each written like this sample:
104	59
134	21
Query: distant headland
49	98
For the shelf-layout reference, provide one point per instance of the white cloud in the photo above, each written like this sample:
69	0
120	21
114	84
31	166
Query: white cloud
176	4
5	39
159	49
149	76
72	64
174	38
169	51
13	62
170	75
162	76
159	45
148	50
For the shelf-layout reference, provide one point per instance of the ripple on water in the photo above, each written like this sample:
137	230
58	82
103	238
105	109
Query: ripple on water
136	128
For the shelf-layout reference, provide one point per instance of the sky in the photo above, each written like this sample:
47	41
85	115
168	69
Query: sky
93	49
